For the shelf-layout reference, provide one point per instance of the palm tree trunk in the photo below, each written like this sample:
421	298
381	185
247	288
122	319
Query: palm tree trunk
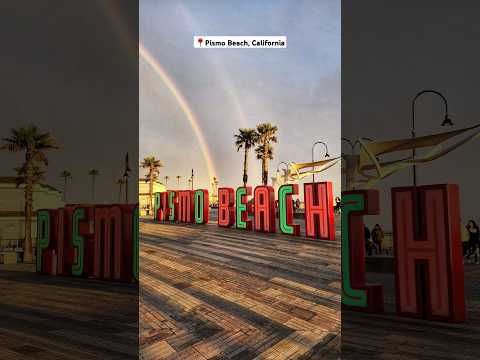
27	247
120	194
151	192
65	190
245	165
265	164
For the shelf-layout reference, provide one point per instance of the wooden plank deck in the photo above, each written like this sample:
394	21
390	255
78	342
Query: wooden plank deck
48	317
388	336
212	293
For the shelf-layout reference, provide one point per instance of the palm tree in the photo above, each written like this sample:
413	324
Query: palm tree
120	183
93	173
153	166
65	174
178	181
166	180
34	143
246	138
267	133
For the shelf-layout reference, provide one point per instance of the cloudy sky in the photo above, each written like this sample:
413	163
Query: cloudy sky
297	88
72	70
383	70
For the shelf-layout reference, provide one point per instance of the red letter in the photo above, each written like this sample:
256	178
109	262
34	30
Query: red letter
202	208
428	258
285	209
163	208
226	212
264	209
186	206
108	236
243	208
356	294
319	221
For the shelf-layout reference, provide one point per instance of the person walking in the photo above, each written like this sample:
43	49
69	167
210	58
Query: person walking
377	237
473	240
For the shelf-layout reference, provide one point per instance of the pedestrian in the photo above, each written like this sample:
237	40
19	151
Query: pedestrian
377	237
368	241
473	240
465	238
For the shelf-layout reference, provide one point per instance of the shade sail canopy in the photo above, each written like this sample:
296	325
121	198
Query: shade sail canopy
298	171
366	169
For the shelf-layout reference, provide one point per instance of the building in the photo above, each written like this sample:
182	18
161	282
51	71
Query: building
12	215
144	195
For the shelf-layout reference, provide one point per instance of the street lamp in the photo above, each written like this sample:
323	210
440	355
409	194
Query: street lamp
313	154
446	121
192	179
126	175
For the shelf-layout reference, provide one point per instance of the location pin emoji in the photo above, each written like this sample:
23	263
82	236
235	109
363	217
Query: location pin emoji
200	41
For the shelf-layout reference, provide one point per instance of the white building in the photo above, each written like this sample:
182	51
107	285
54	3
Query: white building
144	194
12	214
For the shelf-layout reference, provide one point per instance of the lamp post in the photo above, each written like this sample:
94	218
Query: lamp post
313	154
446	121
192	179
126	175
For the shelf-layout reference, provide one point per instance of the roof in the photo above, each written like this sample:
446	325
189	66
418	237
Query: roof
13	180
146	180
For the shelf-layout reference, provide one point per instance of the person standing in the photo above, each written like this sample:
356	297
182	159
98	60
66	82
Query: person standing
465	238
377	237
368	241
473	240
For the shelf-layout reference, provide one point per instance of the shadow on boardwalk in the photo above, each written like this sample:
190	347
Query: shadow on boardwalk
388	336
213	293
49	317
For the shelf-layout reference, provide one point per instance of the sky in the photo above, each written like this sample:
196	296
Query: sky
72	73
382	71
297	88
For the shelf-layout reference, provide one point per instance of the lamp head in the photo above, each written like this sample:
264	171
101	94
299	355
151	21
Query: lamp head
447	121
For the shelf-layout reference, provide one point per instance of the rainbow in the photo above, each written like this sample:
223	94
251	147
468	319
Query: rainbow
182	102
118	23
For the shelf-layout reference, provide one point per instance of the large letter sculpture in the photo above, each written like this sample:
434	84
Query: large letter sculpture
285	209
428	257
243	208
202	209
87	240
264	202
43	237
162	209
108	237
172	205
186	206
356	294
319	217
156	205
226	204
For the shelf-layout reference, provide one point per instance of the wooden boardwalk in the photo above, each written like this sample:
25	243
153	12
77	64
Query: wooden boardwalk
48	317
388	336
211	293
